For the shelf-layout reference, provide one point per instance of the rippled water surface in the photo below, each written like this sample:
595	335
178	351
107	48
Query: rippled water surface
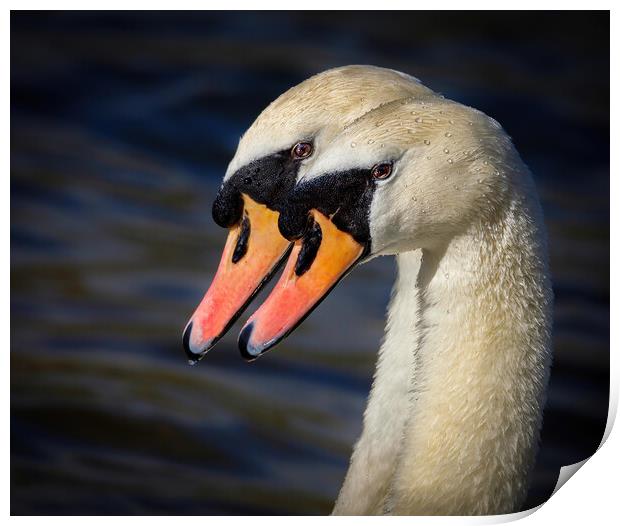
121	129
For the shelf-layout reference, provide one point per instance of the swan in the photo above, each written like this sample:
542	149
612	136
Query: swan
453	417
261	174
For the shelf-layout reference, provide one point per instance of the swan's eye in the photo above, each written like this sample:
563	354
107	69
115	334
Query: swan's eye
301	150
381	171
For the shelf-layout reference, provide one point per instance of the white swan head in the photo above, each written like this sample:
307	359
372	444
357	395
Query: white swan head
438	166
320	106
410	174
290	131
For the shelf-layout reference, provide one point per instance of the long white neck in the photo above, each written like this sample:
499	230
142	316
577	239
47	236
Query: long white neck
373	463
454	414
481	369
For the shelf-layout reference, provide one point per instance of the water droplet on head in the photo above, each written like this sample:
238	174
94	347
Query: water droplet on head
450	161
417	119
414	198
471	123
451	121
479	180
448	134
381	145
427	142
428	157
353	145
496	172
485	162
456	187
445	150
370	141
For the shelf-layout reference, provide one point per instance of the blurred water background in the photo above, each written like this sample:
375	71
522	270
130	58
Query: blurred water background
121	128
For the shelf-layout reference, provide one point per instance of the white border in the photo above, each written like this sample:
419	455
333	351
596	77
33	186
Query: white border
591	496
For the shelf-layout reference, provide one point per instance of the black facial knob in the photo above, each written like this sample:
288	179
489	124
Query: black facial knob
294	221
227	207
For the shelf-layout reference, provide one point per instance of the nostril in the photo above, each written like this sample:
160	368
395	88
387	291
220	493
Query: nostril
242	241
310	247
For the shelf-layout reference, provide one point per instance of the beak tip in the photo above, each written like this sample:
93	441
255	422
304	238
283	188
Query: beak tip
248	351
193	357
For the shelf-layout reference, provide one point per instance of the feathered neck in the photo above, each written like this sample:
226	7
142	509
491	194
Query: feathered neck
454	415
481	369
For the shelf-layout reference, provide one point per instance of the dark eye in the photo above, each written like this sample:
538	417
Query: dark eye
381	171
301	150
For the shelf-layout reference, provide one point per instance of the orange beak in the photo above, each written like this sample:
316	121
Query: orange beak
253	251
317	263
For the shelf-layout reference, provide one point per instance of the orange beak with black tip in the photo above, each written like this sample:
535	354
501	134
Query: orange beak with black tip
317	263
253	251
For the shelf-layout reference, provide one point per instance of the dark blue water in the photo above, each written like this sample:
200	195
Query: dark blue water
121	128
